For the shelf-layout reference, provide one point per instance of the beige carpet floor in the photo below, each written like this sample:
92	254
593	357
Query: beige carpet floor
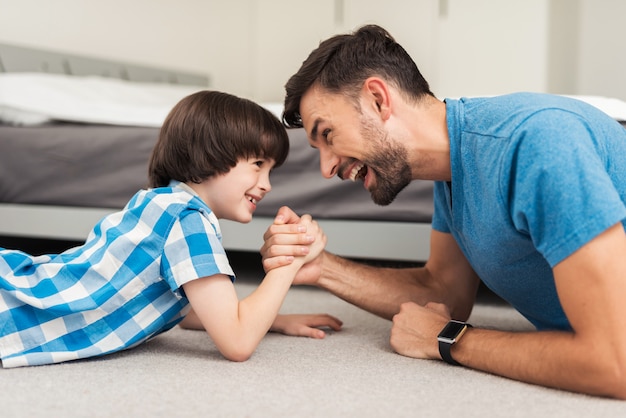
351	373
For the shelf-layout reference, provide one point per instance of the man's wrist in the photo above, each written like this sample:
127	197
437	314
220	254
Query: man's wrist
450	335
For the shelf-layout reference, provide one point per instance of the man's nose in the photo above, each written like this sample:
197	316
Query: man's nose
329	163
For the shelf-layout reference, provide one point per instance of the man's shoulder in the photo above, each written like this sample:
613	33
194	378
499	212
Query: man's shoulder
505	114
528	103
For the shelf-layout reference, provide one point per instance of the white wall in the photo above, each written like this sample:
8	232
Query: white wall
601	58
489	47
173	34
413	23
563	46
250	47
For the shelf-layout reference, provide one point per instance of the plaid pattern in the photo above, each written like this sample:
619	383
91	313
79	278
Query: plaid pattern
119	289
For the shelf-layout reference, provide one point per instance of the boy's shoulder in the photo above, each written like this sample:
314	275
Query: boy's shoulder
157	205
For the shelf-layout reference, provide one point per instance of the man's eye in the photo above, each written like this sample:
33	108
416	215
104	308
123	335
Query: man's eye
325	134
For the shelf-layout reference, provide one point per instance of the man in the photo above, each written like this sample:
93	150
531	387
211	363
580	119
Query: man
529	199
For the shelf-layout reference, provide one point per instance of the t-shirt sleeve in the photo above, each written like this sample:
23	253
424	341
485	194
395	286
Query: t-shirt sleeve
562	194
441	217
193	250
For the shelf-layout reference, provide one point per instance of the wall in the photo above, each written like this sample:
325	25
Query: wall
490	47
173	34
601	58
250	47
563	46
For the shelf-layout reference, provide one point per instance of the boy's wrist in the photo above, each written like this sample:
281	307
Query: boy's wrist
298	260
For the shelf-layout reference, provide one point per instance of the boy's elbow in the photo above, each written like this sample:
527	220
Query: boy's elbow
617	383
237	354
235	345
237	350
239	358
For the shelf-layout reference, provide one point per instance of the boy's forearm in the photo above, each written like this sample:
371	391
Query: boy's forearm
258	310
265	301
237	326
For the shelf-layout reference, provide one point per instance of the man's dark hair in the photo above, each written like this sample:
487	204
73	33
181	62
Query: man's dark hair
342	63
208	132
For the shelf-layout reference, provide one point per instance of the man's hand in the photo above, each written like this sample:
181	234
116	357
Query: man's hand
415	329
287	238
316	235
305	325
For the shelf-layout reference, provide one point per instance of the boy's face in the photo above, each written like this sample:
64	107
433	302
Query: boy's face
235	195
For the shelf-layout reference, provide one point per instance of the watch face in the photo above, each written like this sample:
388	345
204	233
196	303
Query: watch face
452	330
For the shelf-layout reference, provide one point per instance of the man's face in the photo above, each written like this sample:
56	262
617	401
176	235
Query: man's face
354	145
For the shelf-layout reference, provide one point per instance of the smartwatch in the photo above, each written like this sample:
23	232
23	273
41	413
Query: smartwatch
449	335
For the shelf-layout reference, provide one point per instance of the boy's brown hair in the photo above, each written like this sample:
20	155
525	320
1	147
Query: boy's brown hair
207	133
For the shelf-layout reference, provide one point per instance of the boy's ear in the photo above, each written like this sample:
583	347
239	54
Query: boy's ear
376	92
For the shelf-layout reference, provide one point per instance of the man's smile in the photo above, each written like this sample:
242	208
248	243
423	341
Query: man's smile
359	171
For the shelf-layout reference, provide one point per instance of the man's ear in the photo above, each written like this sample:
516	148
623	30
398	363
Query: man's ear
376	92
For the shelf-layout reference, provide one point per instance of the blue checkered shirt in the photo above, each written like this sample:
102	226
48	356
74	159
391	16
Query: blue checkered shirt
119	289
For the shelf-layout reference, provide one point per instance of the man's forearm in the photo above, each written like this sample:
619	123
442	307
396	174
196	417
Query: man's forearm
554	359
378	290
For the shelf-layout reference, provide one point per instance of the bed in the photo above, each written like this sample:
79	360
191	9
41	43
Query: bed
77	132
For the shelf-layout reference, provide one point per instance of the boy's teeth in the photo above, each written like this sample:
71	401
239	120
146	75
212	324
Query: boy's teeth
355	171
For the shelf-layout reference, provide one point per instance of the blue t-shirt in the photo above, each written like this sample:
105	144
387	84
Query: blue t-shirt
534	178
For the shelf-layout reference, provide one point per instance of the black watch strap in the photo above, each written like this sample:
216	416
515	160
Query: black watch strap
450	334
444	351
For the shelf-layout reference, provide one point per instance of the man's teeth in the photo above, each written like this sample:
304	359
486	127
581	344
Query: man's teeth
355	171
253	200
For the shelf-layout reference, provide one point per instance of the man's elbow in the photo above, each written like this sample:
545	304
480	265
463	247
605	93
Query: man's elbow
610	380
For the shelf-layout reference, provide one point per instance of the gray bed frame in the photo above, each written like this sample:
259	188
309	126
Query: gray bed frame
401	241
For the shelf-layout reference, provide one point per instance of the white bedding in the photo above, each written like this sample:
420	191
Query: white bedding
615	108
35	98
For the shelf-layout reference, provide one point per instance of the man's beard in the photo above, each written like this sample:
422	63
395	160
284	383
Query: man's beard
388	159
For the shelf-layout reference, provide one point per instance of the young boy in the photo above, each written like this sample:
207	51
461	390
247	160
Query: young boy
141	268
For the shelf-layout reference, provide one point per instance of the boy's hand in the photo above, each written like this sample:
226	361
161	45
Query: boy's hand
286	238
305	325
